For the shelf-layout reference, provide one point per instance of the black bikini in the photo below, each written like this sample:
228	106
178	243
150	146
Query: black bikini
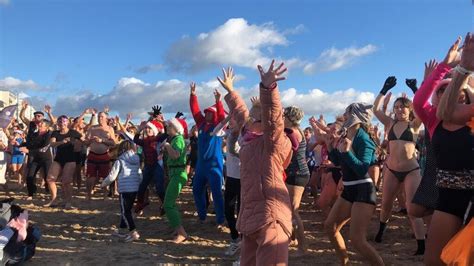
407	135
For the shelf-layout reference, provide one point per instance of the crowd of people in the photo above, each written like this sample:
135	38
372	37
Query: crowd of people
255	163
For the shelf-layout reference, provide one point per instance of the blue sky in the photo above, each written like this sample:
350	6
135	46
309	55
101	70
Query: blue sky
78	51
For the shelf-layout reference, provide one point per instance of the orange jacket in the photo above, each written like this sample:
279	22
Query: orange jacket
264	196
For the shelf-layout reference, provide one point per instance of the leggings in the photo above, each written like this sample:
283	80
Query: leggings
231	199
126	204
35	163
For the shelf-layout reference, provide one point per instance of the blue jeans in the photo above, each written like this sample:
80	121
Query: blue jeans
152	172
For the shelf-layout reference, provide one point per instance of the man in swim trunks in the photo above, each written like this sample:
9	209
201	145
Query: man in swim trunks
99	139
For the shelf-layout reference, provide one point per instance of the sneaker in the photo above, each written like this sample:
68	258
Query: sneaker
121	232
133	236
233	248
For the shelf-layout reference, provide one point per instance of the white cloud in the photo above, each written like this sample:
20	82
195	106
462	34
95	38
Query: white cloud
132	95
4	2
317	101
14	84
334	59
236	43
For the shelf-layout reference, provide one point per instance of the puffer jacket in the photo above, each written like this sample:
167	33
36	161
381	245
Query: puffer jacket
264	196
127	172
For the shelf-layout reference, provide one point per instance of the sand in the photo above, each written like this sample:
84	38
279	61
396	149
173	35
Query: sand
83	236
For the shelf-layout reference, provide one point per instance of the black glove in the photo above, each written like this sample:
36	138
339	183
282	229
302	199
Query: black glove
411	83
178	115
390	82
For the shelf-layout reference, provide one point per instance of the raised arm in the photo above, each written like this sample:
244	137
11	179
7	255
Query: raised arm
48	111
272	110
237	107
449	108
219	107
194	104
390	82
421	102
93	118
23	118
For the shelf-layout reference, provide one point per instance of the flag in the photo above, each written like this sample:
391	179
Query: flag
7	114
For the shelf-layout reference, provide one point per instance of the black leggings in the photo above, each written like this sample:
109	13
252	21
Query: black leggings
231	198
35	163
126	204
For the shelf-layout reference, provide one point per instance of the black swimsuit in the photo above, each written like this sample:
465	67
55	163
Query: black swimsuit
407	135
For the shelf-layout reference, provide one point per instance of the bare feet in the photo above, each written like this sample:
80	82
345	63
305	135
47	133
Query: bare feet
51	204
179	238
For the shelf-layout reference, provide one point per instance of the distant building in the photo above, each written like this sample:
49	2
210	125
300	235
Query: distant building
7	98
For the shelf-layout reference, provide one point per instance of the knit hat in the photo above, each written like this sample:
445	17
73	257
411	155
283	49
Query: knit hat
153	128
177	125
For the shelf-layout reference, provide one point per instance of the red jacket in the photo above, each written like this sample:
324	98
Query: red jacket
199	117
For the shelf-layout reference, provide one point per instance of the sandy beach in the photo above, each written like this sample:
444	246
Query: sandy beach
83	236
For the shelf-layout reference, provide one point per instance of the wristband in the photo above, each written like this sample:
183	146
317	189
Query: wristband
461	70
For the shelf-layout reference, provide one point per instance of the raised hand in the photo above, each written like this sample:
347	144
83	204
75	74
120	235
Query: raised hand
452	56
178	115
106	109
192	87
321	120
312	122
93	111
429	68
228	81
47	109
129	116
255	100
24	104
142	125
269	78
390	82
467	57
411	83
217	95
404	95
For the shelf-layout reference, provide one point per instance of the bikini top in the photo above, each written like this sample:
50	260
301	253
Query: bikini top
407	135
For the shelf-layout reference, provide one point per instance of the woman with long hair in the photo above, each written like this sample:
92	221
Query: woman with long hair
402	168
453	147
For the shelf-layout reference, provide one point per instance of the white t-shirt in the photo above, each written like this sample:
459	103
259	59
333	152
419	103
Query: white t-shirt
232	162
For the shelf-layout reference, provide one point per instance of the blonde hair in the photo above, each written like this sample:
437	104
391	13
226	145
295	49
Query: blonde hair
294	115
